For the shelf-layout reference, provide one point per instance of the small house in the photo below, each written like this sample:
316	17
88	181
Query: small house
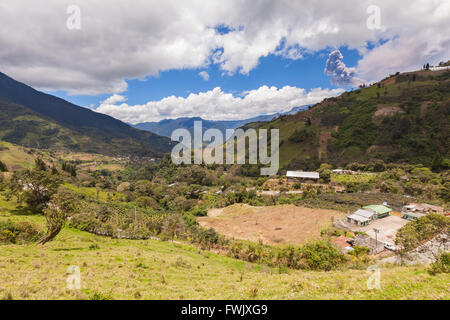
361	217
416	210
343	243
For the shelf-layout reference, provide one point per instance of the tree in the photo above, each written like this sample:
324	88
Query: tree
325	172
70	168
147	202
61	205
40	164
54	170
34	187
320	255
3	167
423	174
436	164
173	225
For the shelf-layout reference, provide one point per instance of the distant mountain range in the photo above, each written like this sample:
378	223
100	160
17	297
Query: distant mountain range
35	119
167	126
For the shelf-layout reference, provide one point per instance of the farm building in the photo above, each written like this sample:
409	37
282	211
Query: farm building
302	175
343	243
380	210
362	217
415	210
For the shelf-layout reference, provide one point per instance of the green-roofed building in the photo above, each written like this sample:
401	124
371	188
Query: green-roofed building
380	210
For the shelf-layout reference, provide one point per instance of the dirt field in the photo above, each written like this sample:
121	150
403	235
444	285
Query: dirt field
272	225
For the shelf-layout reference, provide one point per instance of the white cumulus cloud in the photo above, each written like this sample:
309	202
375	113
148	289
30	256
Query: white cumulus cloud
217	104
118	41
115	98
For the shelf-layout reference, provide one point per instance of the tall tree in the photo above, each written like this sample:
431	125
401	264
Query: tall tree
61	205
34	187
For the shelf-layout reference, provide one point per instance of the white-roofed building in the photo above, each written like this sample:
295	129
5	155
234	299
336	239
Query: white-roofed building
362	217
304	175
358	220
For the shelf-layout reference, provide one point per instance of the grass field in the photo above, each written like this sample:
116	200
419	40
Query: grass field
150	269
91	192
15	157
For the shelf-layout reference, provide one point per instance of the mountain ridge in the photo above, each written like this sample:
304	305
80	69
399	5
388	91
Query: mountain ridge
166	126
112	135
402	118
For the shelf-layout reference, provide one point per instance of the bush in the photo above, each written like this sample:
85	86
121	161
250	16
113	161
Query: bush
19	232
423	174
301	135
69	168
3	167
422	229
441	265
206	237
359	251
147	202
320	255
189	219
199	212
173	226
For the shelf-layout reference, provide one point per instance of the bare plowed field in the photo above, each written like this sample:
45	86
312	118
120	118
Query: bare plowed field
272	225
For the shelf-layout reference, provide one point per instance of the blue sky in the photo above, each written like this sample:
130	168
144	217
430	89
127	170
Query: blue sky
273	70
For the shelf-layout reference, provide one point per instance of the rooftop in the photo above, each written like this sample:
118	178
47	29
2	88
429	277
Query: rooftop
423	207
365	213
341	241
378	208
357	217
303	174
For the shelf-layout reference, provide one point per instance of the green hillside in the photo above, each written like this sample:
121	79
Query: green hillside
34	119
403	118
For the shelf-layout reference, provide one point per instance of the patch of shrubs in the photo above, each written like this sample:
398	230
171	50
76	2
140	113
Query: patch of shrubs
359	251
316	255
18	232
302	135
205	237
420	230
199	212
119	221
320	255
441	265
3	167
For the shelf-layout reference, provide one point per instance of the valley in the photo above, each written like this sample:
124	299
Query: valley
137	226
